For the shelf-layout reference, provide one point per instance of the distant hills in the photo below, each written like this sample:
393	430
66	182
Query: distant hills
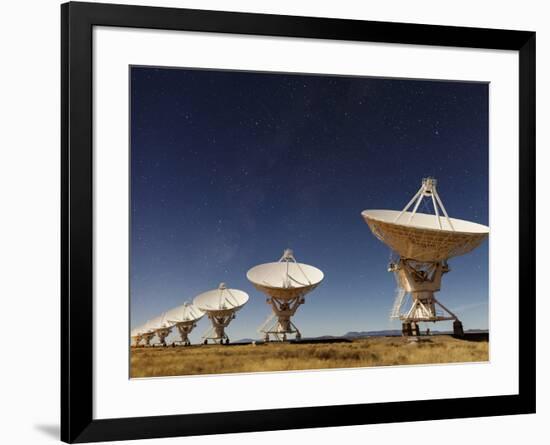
245	340
397	332
363	334
360	334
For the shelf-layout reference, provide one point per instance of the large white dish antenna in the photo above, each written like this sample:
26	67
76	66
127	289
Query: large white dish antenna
147	331
221	300
185	313
424	243
184	317
160	322
422	239
161	327
220	304
285	280
151	326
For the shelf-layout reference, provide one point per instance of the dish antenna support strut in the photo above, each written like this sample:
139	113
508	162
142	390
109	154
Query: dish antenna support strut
428	189
422	280
185	319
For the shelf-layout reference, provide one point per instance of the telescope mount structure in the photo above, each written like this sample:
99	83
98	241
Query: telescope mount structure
143	335
424	243
184	318
220	306
163	330
285	283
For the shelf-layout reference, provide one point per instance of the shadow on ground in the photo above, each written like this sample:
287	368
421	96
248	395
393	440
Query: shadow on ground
49	430
477	336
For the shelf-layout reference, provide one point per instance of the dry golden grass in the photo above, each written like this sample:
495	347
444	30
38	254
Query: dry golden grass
376	351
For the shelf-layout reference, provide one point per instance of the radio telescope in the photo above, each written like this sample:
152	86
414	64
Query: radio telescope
184	318
162	327
424	243
145	333
285	283
220	305
136	336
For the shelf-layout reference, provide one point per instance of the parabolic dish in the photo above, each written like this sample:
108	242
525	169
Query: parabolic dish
221	300
148	328
285	279
184	313
160	322
422	239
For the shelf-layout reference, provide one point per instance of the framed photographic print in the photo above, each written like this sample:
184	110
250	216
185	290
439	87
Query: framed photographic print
276	222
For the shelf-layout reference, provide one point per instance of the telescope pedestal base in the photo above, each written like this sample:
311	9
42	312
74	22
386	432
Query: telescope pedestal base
184	330
282	335
217	332
458	330
280	331
410	329
147	339
217	340
282	326
162	334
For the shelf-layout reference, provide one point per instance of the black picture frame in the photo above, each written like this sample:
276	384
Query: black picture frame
77	22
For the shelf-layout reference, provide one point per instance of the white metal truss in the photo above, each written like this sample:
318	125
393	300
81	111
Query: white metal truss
420	280
216	333
428	189
184	329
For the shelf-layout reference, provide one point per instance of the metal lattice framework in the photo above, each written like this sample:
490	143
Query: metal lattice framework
424	243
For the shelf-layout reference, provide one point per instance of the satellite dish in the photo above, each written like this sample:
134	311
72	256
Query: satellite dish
161	327
185	313
136	336
184	318
424	243
220	305
146	333
418	236
285	282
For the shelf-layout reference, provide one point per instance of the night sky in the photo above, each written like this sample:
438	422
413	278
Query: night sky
229	168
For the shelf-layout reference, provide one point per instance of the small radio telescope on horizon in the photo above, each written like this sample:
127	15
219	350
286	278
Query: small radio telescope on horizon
184	318
285	282
424	243
220	305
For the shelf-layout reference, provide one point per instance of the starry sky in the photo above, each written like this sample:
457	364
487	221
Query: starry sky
229	168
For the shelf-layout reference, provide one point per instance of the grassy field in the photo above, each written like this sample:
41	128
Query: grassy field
374	351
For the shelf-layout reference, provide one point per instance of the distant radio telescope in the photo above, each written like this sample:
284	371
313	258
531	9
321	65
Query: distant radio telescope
144	334
220	305
424	243
285	282
184	318
162	328
136	336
